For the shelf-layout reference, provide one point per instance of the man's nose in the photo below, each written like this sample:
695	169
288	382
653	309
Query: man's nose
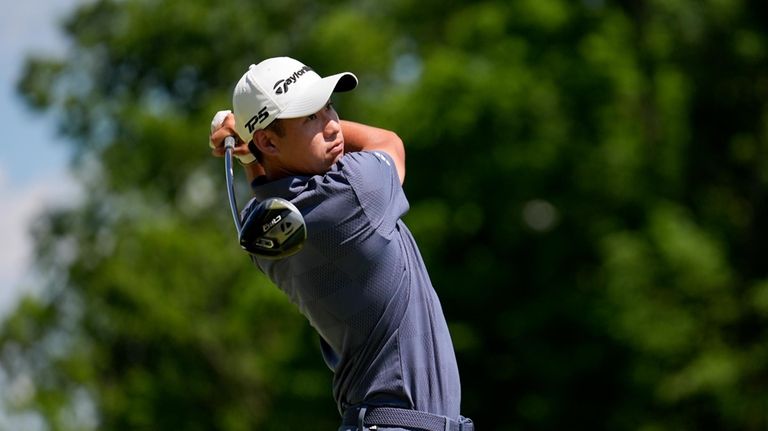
332	125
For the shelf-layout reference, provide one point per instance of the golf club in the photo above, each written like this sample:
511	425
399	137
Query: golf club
274	229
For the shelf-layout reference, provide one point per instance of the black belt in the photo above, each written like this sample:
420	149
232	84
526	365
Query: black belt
364	417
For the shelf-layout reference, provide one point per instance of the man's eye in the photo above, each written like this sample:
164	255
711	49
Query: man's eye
312	117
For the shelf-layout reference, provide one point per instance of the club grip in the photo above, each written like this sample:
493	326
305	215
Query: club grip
229	146
229	142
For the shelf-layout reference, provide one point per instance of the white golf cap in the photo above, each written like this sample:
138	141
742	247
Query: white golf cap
282	87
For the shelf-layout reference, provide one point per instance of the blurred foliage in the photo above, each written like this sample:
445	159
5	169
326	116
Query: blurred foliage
587	181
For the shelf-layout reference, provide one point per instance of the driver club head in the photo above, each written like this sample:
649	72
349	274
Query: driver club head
273	229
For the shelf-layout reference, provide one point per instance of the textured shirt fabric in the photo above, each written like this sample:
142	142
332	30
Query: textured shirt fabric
362	284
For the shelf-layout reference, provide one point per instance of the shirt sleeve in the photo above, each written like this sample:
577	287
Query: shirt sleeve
375	181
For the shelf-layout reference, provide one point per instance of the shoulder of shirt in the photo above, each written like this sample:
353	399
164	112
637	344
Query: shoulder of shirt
380	155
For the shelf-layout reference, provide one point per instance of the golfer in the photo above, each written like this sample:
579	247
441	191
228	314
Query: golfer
359	279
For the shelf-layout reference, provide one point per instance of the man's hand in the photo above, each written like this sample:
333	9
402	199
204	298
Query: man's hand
223	125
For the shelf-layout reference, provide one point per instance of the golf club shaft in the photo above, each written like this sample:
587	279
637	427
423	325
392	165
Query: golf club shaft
229	145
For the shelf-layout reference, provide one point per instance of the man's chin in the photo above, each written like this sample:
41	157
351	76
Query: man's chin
337	158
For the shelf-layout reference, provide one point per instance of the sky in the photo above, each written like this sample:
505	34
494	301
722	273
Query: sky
33	159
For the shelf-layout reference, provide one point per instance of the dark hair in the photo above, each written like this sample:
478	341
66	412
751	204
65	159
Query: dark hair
276	126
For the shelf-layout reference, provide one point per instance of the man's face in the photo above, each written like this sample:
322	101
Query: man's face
310	145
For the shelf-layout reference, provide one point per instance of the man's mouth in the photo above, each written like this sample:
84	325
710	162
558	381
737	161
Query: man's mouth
337	147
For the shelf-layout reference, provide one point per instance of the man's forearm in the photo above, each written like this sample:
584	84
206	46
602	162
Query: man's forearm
253	171
360	137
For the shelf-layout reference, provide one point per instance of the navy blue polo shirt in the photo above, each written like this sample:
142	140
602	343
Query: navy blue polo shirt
362	284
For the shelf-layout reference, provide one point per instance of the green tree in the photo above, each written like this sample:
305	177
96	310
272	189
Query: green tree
587	183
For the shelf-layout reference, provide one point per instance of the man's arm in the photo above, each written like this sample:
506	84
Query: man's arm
253	171
359	137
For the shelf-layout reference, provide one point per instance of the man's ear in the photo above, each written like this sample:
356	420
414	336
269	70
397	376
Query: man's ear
263	141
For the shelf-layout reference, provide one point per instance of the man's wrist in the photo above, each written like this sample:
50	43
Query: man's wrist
249	158
246	159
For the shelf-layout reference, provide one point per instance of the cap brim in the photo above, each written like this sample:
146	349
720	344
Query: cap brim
315	97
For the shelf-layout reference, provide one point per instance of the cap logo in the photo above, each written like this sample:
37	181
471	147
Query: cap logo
281	86
256	119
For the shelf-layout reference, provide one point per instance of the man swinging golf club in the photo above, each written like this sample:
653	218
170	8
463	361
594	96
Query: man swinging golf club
358	278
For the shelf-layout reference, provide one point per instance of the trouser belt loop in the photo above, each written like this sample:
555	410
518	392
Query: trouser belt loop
361	418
